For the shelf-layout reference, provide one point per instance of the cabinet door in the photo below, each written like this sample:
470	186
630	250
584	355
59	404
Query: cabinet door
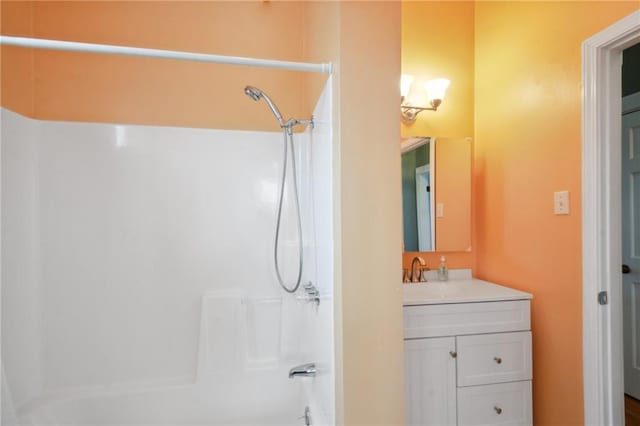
430	381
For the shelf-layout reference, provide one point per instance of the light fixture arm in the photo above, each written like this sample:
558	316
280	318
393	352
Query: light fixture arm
409	113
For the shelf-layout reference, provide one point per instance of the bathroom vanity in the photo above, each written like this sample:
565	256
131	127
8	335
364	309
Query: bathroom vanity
467	346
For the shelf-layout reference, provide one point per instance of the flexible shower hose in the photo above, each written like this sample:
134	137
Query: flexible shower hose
288	139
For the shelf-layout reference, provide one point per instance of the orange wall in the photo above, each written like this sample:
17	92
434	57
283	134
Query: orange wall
16	64
321	43
438	41
108	88
528	145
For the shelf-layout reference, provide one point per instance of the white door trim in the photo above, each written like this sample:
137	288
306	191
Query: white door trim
601	221
421	211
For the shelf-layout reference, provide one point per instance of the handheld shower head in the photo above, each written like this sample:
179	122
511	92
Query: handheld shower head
256	94
253	93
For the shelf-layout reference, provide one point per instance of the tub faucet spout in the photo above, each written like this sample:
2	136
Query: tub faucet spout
304	370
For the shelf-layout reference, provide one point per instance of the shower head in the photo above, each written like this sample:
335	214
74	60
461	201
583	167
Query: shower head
253	93
256	94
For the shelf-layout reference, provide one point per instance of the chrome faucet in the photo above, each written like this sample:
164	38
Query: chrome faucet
311	294
417	276
304	370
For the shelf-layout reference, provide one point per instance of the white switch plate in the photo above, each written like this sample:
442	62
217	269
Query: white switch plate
440	210
561	202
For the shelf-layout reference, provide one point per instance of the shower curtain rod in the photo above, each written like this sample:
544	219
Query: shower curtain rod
38	43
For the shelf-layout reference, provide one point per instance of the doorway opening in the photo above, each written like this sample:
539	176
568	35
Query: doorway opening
630	168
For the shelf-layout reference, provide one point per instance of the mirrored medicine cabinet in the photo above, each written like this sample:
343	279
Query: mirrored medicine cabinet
436	194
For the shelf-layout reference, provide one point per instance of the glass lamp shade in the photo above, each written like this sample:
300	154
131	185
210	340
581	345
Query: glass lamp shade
436	89
405	84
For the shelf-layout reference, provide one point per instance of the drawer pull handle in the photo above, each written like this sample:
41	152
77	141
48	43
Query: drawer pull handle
498	410
453	354
498	360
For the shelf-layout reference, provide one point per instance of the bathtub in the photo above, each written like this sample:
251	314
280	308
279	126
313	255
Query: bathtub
263	398
243	381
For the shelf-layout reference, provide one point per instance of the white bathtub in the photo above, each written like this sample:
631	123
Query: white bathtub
264	398
244	356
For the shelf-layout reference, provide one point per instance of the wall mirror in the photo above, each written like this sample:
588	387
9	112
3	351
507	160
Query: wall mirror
436	194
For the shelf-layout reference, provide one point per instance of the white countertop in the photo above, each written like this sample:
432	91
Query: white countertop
458	291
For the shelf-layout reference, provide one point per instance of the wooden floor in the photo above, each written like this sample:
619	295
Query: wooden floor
631	411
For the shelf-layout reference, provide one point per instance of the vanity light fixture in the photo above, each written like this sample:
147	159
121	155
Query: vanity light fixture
435	90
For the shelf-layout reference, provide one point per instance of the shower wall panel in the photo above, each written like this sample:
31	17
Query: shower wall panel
140	258
137	224
22	325
318	202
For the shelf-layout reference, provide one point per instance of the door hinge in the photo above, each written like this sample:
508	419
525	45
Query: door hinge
603	298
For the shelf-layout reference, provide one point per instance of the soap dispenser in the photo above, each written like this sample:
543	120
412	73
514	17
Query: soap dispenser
443	270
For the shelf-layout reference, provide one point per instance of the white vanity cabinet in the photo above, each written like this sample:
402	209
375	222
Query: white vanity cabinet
467	354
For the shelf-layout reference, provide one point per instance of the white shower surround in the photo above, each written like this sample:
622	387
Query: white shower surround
137	275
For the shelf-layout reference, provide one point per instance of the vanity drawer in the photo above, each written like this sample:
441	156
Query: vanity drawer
493	358
465	318
501	404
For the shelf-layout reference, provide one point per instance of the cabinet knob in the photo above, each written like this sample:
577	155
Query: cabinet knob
453	354
498	360
498	409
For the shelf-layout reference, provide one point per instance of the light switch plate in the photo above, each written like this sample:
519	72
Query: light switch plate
561	202
439	210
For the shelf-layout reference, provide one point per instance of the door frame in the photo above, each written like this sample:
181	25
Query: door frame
421	211
601	221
